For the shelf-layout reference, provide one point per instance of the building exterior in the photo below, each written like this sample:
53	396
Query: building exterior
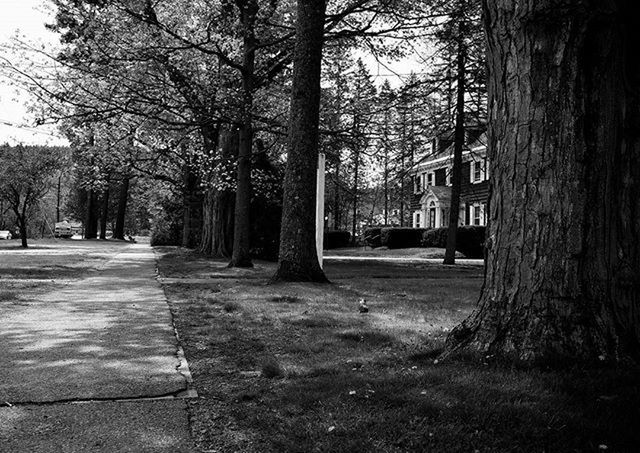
431	181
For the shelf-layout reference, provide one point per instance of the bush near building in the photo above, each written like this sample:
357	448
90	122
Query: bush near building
373	237
400	238
469	240
336	239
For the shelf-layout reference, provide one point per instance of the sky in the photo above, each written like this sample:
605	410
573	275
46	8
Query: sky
25	18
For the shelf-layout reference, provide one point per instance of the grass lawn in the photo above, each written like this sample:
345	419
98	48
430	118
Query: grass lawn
296	368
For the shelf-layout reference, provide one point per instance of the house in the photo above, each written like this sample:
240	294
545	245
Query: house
431	182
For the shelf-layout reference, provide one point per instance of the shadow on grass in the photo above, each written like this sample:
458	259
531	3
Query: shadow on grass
342	382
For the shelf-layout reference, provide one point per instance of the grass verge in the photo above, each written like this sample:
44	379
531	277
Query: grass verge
296	368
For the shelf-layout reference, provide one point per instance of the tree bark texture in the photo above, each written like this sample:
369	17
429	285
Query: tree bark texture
563	269
298	260
192	208
22	226
458	145
104	215
219	207
354	207
242	223
122	208
20	210
91	219
58	197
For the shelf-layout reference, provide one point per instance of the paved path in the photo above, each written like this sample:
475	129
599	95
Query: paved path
71	357
402	259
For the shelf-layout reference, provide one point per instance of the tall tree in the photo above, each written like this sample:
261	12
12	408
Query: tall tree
242	227
26	175
359	112
386	99
563	269
459	73
298	260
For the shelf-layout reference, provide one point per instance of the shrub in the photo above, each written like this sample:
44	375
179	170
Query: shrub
372	237
398	238
469	240
435	237
336	239
163	234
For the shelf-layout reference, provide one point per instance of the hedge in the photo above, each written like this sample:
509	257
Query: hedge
398	238
373	237
336	239
163	234
469	240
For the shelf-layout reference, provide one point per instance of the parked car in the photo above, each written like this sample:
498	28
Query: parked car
5	234
62	230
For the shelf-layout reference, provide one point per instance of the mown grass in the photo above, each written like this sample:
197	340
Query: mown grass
296	368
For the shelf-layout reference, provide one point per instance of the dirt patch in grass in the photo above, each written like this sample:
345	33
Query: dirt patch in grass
296	368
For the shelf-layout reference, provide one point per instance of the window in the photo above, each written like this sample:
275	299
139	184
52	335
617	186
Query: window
429	179
417	220
432	215
477	171
476	214
416	184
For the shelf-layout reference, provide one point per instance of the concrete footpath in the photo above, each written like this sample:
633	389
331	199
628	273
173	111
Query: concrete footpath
95	366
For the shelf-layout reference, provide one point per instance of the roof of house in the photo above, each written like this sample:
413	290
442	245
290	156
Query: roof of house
442	193
436	158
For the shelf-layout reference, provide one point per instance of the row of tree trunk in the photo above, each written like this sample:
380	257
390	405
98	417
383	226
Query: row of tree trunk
97	212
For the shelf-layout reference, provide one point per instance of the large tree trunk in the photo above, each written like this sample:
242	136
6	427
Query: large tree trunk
217	232
105	214
58	197
22	225
20	210
242	223
354	207
402	184
337	209
219	206
458	145
563	271
192	208
118	233
91	219
298	260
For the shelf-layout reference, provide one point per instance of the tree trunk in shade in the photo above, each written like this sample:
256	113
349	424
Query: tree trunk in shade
563	268
219	206
104	215
298	260
122	208
458	145
91	219
242	223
